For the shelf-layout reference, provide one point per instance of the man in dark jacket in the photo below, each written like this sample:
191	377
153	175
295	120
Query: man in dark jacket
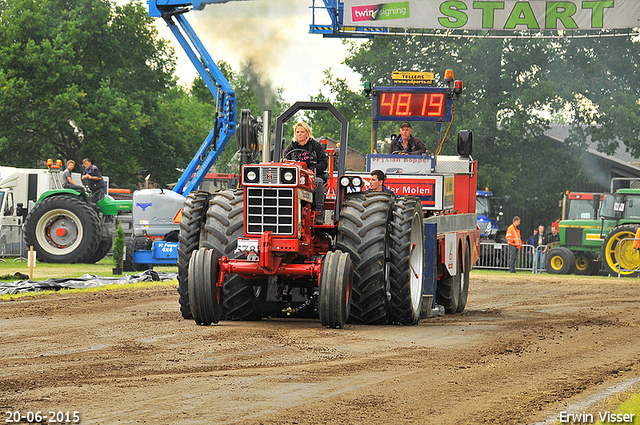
305	149
406	144
96	182
539	249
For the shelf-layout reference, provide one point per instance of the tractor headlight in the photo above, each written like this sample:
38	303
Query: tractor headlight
250	175
356	182
288	176
344	181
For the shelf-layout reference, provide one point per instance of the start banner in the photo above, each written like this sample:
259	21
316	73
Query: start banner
494	15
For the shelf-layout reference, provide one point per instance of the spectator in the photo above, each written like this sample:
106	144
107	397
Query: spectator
515	243
531	250
554	236
539	250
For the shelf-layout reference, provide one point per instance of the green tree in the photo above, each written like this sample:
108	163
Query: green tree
354	106
86	78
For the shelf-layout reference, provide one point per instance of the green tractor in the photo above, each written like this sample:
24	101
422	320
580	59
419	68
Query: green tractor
607	239
580	236
622	211
63	228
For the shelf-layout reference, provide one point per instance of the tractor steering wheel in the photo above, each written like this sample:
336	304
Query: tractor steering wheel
312	161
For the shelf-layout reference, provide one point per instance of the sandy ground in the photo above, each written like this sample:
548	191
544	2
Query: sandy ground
526	347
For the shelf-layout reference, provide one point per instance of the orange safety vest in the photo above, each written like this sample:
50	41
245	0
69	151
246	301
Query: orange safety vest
513	236
636	243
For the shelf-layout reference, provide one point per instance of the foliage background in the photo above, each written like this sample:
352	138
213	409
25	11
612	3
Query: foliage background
90	78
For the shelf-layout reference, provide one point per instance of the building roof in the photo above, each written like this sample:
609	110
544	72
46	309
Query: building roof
621	158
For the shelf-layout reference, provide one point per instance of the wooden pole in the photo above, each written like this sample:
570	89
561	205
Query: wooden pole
32	262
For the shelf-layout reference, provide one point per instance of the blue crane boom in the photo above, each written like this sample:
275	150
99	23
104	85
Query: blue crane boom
172	11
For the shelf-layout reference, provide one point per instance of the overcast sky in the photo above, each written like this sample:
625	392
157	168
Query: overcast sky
274	34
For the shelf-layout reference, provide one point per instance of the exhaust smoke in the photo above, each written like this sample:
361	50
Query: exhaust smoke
253	34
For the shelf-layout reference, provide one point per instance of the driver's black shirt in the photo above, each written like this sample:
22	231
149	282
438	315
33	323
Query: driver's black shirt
315	151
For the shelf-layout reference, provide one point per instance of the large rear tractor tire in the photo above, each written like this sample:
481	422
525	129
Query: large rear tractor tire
241	299
586	263
108	227
63	229
406	249
104	246
560	260
191	225
449	289
618	253
204	297
335	289
363	234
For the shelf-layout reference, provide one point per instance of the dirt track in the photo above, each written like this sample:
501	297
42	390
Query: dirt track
524	348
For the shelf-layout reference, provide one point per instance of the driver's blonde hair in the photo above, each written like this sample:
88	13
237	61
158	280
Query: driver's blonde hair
305	126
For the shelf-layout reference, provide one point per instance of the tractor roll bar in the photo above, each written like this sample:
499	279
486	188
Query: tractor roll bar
313	106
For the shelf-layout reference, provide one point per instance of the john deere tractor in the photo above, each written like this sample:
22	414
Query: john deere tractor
608	238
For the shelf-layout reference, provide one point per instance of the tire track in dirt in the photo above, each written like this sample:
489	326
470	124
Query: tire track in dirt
521	350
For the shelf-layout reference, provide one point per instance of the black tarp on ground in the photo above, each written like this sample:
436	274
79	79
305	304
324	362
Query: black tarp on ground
84	281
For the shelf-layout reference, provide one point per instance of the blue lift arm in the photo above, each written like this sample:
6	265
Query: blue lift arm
172	11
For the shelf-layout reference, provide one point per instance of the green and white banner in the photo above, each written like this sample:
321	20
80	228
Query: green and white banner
496	15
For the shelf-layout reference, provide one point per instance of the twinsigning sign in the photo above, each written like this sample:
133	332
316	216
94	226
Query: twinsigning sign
495	15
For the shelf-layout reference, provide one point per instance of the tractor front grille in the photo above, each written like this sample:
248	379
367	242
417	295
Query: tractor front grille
269	209
573	236
269	175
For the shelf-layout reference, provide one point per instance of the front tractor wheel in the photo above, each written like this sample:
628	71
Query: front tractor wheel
560	260
618	253
585	263
242	299
203	294
335	289
63	229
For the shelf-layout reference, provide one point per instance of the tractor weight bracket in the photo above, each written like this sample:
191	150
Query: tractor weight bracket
253	270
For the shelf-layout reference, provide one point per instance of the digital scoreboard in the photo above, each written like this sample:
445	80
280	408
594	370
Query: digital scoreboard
411	104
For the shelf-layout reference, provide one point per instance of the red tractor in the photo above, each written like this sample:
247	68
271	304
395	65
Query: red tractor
375	260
